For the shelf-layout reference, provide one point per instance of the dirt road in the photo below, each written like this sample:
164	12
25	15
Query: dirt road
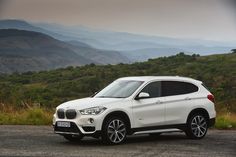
40	141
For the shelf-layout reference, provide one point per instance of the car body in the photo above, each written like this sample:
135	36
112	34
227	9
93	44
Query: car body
142	104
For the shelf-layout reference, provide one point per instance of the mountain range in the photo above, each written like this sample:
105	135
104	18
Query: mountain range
43	46
123	42
22	51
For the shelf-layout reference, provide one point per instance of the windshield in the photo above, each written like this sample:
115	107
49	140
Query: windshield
119	89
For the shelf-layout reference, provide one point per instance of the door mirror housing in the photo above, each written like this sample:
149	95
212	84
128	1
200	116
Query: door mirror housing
142	95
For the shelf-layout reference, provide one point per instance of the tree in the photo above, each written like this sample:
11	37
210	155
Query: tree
233	50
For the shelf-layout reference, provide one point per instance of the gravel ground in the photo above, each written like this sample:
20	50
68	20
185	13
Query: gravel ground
40	141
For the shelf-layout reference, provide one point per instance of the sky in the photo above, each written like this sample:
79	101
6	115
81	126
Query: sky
197	19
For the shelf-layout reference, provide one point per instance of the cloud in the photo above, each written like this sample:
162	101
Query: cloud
2	7
203	19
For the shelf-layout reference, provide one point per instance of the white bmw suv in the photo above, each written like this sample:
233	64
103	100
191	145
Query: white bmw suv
132	105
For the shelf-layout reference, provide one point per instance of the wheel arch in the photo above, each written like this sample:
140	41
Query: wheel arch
120	114
199	110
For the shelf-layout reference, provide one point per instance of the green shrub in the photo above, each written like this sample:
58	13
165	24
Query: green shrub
225	122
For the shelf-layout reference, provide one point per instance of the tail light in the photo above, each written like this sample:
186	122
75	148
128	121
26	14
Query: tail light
211	98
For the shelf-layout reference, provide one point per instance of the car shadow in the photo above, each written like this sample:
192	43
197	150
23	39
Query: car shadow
161	138
144	138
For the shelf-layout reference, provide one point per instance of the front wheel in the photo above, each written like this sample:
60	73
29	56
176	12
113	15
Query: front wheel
114	131
73	138
196	126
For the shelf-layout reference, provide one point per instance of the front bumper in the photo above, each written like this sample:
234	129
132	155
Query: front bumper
81	124
74	130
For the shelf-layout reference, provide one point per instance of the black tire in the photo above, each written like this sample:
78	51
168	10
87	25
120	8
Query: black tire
73	138
155	134
114	131
197	126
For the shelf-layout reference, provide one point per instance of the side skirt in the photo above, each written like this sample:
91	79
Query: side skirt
162	127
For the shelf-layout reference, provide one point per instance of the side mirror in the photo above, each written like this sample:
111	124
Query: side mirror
142	95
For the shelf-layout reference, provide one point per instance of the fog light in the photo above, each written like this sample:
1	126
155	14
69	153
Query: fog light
91	120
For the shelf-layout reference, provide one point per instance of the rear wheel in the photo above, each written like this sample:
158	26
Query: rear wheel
73	138
197	126
114	131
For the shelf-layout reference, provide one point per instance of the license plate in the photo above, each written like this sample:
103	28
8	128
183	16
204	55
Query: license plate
63	124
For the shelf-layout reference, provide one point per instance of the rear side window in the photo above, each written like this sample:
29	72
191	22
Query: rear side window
153	89
170	88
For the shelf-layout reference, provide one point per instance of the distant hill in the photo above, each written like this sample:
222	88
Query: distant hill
22	51
129	42
97	55
23	25
137	46
150	53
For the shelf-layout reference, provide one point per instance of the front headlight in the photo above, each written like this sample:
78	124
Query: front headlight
93	111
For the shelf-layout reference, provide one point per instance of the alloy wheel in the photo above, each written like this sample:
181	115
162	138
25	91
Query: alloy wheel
199	126
116	131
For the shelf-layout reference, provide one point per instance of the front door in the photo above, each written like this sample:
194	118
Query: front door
149	111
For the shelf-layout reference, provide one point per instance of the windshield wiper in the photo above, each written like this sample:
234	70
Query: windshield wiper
110	97
103	97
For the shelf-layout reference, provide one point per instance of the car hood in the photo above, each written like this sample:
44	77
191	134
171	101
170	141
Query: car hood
80	104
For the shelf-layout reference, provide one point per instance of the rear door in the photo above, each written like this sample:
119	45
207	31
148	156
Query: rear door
178	99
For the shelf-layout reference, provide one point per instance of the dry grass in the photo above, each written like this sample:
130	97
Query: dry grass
36	115
25	116
226	121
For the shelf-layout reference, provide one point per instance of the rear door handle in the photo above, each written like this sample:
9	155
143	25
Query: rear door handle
158	102
187	98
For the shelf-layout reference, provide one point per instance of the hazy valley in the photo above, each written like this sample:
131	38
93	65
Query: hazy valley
26	46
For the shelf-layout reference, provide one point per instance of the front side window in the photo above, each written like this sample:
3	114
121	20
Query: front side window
170	88
119	89
153	89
